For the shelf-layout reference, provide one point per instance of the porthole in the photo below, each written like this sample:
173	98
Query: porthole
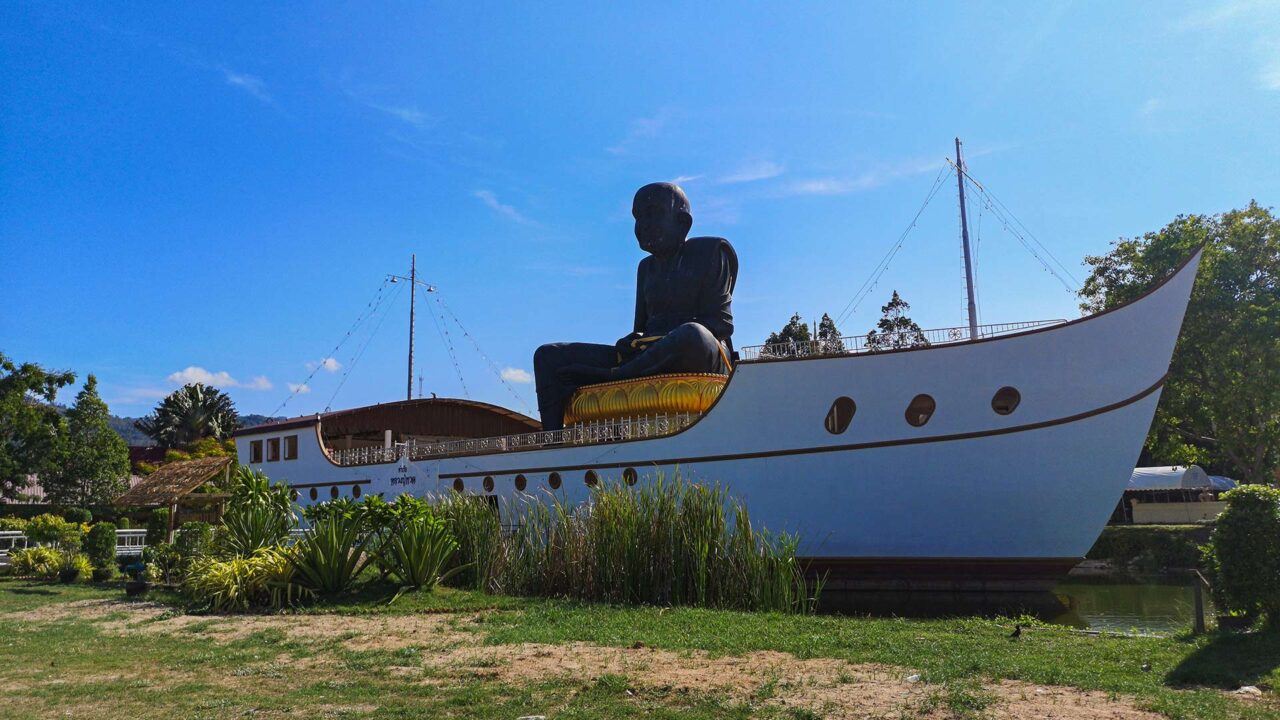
314	494
333	491
355	491
1006	400
591	478
840	415
630	476
458	485
293	495
488	483
554	480
920	410
521	483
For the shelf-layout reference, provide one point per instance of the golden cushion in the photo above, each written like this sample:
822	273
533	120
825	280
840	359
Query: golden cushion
656	394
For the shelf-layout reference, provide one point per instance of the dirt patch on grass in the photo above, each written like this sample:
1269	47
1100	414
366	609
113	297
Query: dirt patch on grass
361	632
829	688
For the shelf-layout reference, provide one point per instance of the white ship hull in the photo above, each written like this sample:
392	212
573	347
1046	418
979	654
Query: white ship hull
969	492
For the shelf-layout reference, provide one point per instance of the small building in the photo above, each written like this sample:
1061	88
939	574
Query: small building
1172	494
181	487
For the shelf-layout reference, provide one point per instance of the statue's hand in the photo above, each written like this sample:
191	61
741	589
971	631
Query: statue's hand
625	344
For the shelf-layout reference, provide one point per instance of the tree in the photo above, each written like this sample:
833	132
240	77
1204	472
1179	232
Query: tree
93	461
189	414
30	426
829	336
792	340
895	330
1221	403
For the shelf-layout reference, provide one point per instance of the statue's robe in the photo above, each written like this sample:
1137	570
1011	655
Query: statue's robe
685	298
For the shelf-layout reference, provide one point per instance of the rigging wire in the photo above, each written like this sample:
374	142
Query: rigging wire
369	308
497	373
448	344
870	283
355	358
1011	224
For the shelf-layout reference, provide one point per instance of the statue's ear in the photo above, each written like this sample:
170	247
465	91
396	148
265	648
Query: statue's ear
686	223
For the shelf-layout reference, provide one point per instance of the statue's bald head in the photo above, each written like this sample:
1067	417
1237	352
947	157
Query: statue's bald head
662	217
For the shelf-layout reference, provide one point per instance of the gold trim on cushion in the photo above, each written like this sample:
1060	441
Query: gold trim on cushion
653	395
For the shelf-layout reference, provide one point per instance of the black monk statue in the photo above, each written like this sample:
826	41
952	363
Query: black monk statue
684	291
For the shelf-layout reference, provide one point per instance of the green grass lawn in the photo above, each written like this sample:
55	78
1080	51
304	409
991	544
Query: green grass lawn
55	661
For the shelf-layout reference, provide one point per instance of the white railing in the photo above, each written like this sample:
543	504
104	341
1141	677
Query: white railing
128	542
878	342
632	428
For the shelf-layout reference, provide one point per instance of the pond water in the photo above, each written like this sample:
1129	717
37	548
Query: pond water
1129	606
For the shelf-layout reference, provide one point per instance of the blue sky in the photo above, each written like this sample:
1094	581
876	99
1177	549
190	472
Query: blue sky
218	191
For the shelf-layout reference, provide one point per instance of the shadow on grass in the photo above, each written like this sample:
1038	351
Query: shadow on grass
31	591
1231	660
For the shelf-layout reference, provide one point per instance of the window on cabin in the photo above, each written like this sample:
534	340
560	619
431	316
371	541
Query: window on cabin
291	447
255	451
273	449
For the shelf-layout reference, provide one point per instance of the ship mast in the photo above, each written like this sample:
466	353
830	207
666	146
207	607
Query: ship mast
964	236
414	282
413	301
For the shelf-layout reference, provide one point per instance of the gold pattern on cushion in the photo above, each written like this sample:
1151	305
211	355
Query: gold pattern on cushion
653	395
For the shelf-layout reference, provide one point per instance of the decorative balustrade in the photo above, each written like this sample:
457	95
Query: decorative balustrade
879	342
634	428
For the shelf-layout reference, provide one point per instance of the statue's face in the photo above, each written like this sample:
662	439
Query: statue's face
662	218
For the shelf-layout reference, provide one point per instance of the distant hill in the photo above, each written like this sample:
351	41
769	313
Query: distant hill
133	436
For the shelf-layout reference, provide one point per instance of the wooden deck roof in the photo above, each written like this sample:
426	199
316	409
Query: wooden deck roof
172	481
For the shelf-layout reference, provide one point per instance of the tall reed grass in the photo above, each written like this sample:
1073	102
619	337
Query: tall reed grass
666	542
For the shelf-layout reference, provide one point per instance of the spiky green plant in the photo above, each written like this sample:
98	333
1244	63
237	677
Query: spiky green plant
39	561
258	515
419	551
331	554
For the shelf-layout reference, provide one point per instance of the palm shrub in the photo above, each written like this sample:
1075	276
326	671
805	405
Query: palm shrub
417	553
259	515
264	579
73	566
1243	554
331	555
40	562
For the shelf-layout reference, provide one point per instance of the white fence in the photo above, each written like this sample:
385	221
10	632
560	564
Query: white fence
128	543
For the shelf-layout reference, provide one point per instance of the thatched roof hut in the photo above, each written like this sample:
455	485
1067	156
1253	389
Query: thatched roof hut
173	486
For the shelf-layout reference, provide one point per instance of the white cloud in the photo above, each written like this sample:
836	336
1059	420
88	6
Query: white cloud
1150	107
867	180
329	364
682	179
251	84
299	388
752	172
259	382
516	375
641	129
488	198
222	379
409	115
